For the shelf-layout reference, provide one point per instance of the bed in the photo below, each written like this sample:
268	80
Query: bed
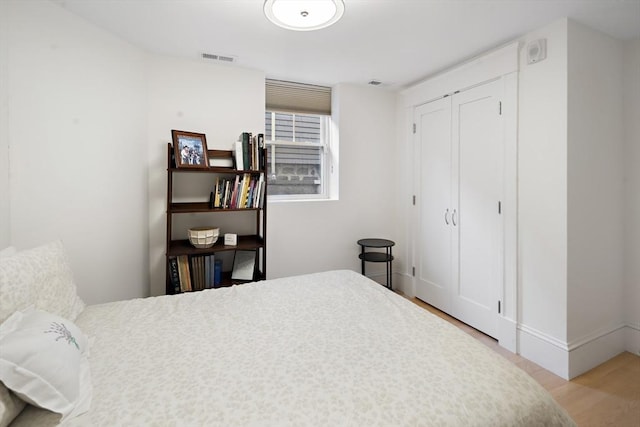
329	349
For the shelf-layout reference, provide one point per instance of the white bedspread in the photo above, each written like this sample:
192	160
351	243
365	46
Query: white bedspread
326	349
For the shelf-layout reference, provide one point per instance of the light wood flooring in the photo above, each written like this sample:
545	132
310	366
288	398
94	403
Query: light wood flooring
608	395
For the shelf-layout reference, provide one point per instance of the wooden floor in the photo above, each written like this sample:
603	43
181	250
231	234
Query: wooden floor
608	395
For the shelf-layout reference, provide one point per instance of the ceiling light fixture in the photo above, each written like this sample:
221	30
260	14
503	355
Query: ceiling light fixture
304	15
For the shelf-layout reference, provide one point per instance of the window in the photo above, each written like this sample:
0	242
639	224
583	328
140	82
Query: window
297	147
297	136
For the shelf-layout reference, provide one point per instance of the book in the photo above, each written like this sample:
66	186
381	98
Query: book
183	273
212	260
237	149
246	155
174	276
194	275
244	263
261	153
258	194
206	272
217	273
216	198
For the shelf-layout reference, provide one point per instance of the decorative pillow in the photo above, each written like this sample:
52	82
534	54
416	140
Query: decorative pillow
39	277
44	362
7	252
10	406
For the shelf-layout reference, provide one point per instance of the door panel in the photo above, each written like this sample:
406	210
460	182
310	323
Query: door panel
478	164
433	242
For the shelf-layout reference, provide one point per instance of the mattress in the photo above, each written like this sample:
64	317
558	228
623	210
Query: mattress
332	348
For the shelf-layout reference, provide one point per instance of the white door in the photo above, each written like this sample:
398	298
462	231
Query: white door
433	241
460	175
478	165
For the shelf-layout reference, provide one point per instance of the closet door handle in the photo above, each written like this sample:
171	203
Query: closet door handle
453	218
446	216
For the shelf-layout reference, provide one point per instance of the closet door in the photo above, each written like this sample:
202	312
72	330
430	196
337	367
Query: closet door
432	145
478	168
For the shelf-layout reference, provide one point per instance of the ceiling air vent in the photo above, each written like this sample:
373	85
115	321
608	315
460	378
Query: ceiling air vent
214	57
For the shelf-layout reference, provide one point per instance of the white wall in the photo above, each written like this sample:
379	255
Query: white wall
217	100
542	195
631	113
76	128
5	228
321	235
595	196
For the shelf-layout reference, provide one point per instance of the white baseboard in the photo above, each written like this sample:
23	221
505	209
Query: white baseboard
591	351
508	334
403	283
632	338
545	350
568	360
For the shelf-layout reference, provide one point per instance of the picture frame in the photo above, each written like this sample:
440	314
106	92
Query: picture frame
244	265
190	149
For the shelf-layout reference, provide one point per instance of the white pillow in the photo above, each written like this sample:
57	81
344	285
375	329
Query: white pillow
44	361
10	406
39	277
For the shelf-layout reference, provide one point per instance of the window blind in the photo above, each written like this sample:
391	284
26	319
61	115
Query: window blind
297	97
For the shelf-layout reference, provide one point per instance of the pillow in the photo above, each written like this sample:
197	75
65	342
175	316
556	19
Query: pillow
44	361
39	277
10	406
7	252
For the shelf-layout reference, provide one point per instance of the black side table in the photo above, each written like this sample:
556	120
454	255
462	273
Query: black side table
385	256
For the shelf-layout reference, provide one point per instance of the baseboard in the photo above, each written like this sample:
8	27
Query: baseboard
508	334
545	350
568	360
595	349
403	283
632	338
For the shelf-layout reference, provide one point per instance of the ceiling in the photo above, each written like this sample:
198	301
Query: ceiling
397	42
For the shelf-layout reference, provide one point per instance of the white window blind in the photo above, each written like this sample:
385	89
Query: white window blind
297	97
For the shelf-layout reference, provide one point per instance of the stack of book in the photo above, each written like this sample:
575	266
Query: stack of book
249	152
239	193
195	272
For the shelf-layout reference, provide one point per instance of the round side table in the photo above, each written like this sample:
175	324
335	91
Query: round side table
386	256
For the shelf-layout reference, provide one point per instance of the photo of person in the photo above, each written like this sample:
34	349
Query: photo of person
190	149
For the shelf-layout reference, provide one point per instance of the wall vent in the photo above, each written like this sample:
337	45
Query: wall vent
214	57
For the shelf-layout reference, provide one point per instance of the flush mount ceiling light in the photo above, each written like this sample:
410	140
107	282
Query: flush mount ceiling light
304	15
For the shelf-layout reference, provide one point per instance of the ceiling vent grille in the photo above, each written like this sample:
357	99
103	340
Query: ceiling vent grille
214	57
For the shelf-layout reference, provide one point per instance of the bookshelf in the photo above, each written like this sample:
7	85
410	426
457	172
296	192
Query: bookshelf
252	218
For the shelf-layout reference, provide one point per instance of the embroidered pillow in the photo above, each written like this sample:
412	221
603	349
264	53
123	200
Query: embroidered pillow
44	361
39	277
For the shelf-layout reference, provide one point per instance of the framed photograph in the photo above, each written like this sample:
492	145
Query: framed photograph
244	265
190	149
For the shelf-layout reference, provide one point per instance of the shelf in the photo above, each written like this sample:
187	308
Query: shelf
228	282
213	169
253	223
183	247
376	257
191	207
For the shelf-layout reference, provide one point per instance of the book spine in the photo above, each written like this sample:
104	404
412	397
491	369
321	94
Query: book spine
174	275
261	153
183	272
217	273
216	202
245	150
237	148
212	260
